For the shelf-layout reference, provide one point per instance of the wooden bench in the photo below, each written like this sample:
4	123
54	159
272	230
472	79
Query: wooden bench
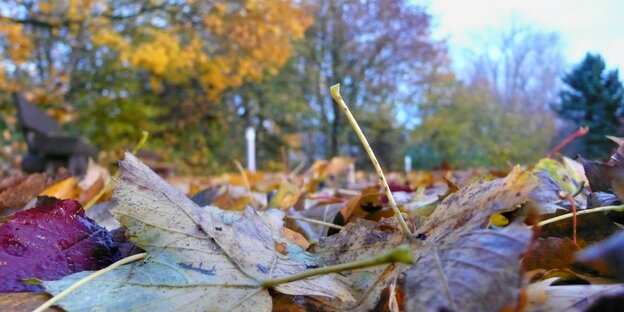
48	146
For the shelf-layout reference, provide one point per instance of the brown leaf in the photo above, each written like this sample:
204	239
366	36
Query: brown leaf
17	195
359	240
606	177
608	255
550	253
463	266
592	227
18	302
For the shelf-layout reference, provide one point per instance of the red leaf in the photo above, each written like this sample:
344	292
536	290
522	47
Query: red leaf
49	242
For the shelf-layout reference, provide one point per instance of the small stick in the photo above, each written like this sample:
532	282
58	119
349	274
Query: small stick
86	279
314	221
401	254
335	93
295	171
582	212
246	181
107	186
577	134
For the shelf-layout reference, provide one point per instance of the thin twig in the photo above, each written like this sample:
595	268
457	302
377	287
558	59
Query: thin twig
572	201
315	221
86	279
245	181
335	93
577	134
401	254
295	171
619	208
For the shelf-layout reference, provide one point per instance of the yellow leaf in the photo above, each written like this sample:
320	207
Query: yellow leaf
65	189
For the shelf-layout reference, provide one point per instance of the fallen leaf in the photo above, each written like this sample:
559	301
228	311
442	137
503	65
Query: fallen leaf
591	228
50	242
606	177
564	177
322	212
359	240
17	195
572	298
546	195
461	265
607	255
286	197
195	259
550	253
18	302
64	189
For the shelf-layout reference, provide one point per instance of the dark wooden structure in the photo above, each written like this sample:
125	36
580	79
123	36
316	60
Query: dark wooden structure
48	146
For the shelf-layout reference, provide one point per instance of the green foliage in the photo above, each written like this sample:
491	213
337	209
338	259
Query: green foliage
593	98
471	129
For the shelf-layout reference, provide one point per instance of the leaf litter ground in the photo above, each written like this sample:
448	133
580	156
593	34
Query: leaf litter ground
474	250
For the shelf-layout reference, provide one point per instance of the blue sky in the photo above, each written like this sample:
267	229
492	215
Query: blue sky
595	26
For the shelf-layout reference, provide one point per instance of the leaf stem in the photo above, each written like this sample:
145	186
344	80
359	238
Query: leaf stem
335	93
619	208
86	279
107	186
315	221
401	254
578	133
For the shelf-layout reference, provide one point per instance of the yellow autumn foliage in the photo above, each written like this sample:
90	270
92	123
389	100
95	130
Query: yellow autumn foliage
218	44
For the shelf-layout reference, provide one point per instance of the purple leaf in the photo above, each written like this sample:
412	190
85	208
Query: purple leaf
49	242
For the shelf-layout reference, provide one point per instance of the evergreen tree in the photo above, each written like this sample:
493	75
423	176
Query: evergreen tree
595	98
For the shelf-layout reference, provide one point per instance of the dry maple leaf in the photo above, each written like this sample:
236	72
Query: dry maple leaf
196	261
359	240
462	265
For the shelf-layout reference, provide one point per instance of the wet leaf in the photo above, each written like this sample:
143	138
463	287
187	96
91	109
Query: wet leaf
49	242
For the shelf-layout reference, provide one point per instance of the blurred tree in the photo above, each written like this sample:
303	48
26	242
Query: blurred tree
156	64
468	127
594	98
500	113
382	53
521	66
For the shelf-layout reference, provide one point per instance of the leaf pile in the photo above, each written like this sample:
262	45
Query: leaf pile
475	244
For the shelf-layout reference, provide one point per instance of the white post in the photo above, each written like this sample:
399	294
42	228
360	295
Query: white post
351	174
408	163
250	136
